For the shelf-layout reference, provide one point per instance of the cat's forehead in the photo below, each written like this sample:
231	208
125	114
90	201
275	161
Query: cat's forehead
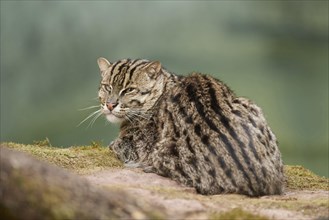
123	67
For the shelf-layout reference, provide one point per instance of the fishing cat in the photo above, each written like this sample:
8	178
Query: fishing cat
192	129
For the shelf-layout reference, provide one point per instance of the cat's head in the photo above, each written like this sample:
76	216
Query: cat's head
129	88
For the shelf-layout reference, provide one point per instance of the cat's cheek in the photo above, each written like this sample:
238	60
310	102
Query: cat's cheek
113	119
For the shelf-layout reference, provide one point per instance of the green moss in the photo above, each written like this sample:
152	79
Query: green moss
300	178
236	214
86	159
306	206
82	159
45	142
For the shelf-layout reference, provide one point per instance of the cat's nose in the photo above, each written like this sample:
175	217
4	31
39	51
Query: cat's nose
111	106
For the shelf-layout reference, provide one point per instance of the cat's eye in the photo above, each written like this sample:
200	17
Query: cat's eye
127	91
107	88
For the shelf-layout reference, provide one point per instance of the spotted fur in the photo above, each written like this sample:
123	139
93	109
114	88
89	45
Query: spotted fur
192	129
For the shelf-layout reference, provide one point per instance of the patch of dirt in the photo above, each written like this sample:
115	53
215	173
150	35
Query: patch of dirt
184	202
130	177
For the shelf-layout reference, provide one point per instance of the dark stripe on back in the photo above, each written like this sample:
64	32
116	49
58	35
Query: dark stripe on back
197	129
264	172
237	113
251	142
191	94
227	101
191	91
236	101
172	121
269	134
181	110
252	121
176	98
225	121
189	146
180	169
230	149
173	150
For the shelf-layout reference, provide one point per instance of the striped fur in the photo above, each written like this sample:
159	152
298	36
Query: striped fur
192	129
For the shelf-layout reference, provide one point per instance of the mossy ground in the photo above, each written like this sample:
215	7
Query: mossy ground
236	214
290	202
81	159
298	177
88	159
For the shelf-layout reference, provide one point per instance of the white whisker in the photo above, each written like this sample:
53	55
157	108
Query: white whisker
94	119
89	116
90	107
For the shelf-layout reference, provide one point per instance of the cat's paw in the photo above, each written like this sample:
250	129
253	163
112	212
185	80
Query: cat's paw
132	164
149	169
114	145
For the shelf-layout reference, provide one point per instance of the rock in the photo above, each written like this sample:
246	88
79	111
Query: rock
31	189
104	189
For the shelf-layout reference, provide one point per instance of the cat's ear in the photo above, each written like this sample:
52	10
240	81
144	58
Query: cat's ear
103	64
153	68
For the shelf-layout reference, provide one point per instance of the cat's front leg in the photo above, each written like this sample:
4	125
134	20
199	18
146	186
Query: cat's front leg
149	169
145	167
118	148
123	148
114	146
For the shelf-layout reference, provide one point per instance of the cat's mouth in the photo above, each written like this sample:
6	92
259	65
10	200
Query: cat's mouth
113	119
112	116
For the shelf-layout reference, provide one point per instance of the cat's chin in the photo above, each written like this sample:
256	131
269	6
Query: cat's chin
113	119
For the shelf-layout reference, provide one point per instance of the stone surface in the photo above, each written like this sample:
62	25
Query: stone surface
88	182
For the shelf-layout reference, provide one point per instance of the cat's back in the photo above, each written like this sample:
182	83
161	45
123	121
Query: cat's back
215	141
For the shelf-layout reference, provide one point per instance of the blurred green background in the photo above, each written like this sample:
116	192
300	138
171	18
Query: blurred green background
274	52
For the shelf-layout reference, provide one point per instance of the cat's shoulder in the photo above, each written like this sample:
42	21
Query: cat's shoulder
205	82
200	78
